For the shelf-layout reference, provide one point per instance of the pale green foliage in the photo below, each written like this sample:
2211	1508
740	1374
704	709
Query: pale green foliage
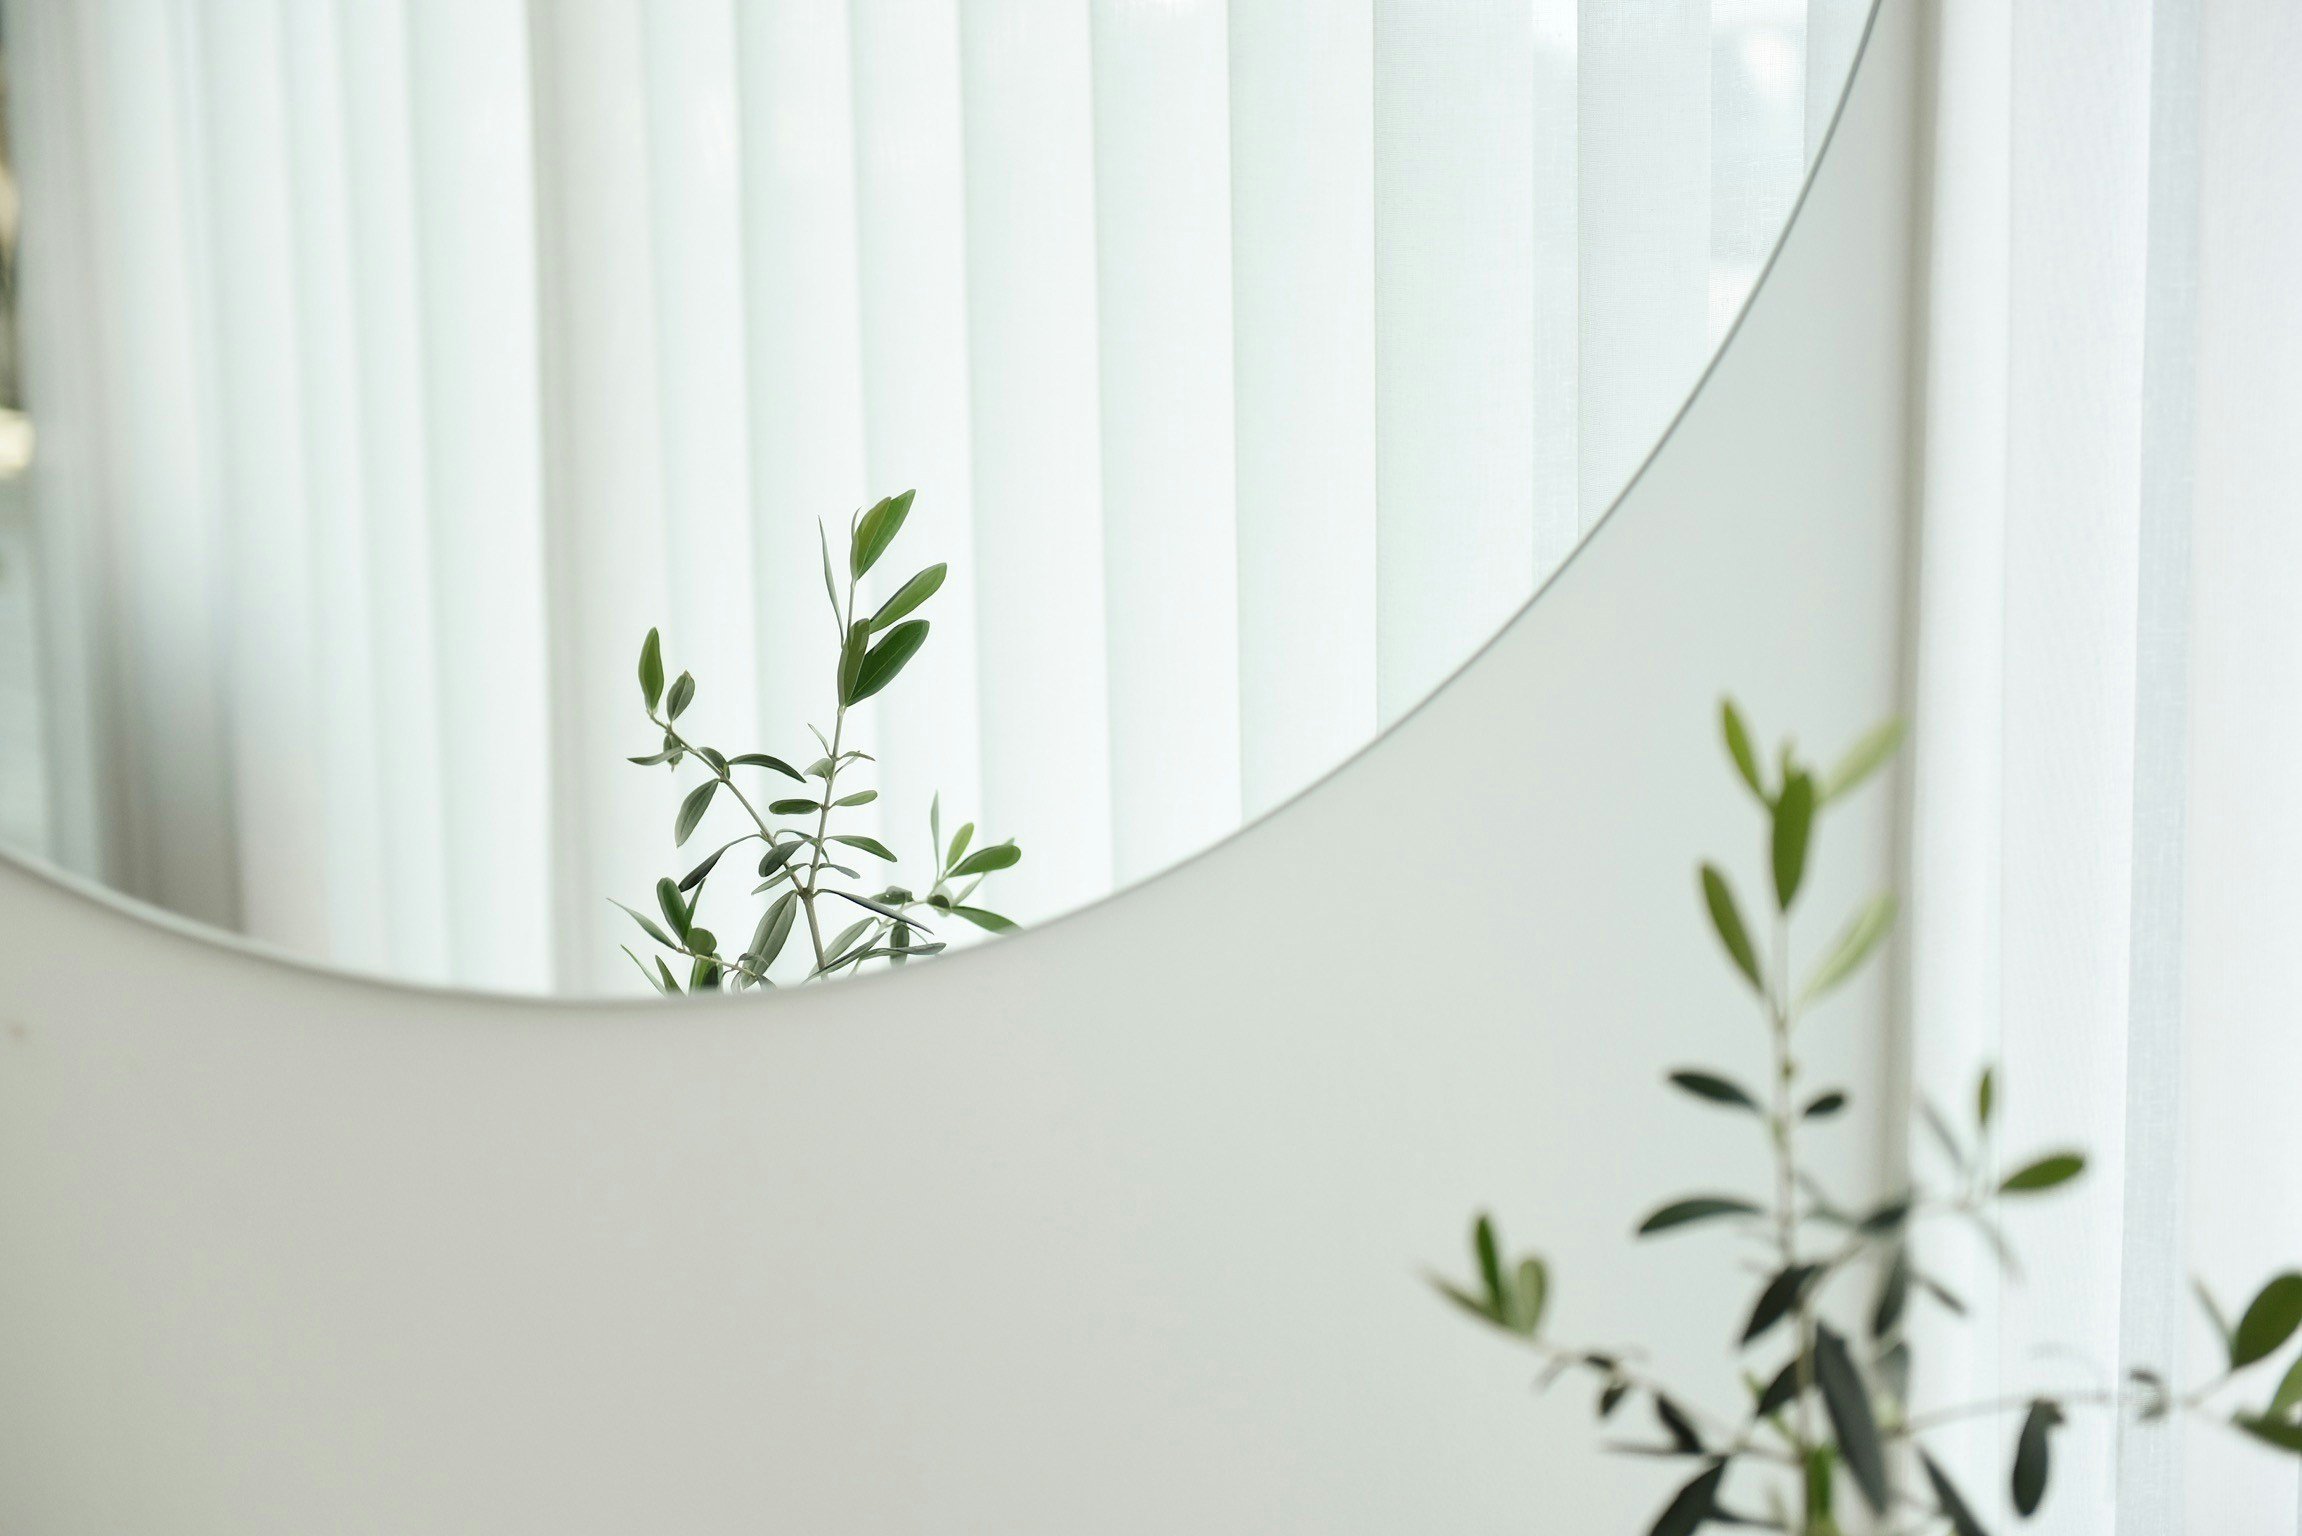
803	885
1826	1404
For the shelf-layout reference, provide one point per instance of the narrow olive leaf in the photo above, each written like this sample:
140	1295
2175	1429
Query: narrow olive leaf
1694	1505
1489	1252
1939	1125
1464	1299
877	530
1531	1288
702	976
1739	748
2289	1393
682	695
1825	1105
1781	1392
1727	919
1862	760
643	970
851	655
1793	827
866	902
691	810
774	928
1851	1420
675	911
779	855
647	925
2287	1437
794	807
870	845
880	666
2268	1322
908	596
845	941
718	763
2032	1456
1985	1098
1678	1426
701	872
1893	1295
1948	1502
981	918
820	769
1852	949
2046	1173
1893	1371
860	797
1717	1090
984	861
651	679
1886	1217
1611	1397
670	982
763	760
959	841
1944	1296
653	758
1680	1213
1775	1302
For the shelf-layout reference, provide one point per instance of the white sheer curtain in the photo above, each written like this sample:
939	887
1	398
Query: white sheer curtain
400	362
2109	817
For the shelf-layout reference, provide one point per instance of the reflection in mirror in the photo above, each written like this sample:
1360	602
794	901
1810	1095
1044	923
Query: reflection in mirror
397	368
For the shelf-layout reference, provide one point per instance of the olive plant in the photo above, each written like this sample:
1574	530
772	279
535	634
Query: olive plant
1826	1405
799	870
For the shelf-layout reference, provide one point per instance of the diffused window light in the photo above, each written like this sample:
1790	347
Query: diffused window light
17	441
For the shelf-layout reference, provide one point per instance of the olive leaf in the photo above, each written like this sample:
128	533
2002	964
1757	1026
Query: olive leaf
1726	919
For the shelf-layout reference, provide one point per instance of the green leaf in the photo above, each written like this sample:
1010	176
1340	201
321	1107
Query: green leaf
1853	947
959	841
763	760
830	587
1948	1500
643	970
1489	1252
845	941
2215	1315
651	678
876	531
1775	1302
1464	1299
1781	1392
1717	1090
870	845
1680	1213
703	941
774	928
1825	1105
675	910
682	695
647	925
1693	1505
1852	1422
1793	826
794	807
779	855
2289	1393
670	982
2032	1456
984	861
982	918
1530	1288
718	763
851	654
1739	748
702	976
701	872
887	658
1862	759
691	810
860	797
2269	1321
865	901
1684	1439
1893	1295
1726	918
2045	1174
935	824
907	597
2287	1437
1985	1098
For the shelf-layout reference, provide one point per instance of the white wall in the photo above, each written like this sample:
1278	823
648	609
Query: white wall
1115	1227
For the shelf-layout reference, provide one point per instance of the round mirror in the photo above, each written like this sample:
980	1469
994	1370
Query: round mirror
835	480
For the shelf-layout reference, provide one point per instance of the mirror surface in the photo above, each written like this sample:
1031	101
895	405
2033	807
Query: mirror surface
378	377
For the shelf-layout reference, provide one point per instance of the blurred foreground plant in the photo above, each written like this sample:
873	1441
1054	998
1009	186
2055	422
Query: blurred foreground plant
1838	1404
800	851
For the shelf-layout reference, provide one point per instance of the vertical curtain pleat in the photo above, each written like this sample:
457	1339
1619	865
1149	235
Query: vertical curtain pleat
1454	325
1042	647
413	357
1303	387
1644	75
1163	247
